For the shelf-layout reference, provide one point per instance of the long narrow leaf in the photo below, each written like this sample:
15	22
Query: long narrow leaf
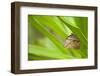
40	51
42	29
77	31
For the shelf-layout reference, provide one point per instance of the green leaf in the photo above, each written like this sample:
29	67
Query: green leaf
43	30
50	53
54	30
78	32
53	23
76	53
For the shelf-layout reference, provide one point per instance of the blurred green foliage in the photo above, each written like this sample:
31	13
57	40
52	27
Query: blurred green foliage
46	36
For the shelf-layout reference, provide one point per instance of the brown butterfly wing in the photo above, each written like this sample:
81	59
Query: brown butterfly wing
72	44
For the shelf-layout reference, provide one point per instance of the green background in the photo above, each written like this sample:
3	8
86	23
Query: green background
47	34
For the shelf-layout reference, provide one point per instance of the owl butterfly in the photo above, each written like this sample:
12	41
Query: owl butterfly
72	42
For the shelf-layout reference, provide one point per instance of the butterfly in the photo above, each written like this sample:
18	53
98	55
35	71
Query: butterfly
72	42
